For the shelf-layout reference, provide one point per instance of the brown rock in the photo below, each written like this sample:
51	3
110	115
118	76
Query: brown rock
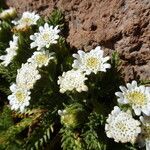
122	25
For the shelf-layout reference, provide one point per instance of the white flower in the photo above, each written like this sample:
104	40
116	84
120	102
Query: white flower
27	19
41	58
72	80
145	136
19	98
136	96
46	36
27	76
8	13
121	126
11	52
92	61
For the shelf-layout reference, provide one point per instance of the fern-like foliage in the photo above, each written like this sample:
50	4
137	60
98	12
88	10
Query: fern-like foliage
56	18
92	133
42	134
6	119
86	138
10	135
70	140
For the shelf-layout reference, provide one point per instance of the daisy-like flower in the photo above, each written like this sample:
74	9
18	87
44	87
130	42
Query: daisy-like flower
72	80
92	61
46	36
11	52
8	13
27	19
41	58
27	76
19	99
121	126
136	96
145	136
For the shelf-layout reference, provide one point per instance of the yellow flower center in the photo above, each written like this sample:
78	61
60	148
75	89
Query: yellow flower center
27	21
92	62
136	98
41	59
122	126
20	96
46	36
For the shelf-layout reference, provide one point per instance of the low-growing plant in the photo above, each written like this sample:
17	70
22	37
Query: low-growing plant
55	98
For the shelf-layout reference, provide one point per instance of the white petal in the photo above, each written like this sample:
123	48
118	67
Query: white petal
129	86
106	59
98	48
146	111
123	89
148	145
137	111
81	53
13	87
134	84
119	94
107	65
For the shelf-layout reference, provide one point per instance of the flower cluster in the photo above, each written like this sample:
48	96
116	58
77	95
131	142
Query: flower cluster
72	79
46	36
26	77
91	62
84	64
127	122
27	19
121	125
11	52
41	58
28	74
136	96
19	98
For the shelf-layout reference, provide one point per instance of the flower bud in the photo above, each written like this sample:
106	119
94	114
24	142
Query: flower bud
73	116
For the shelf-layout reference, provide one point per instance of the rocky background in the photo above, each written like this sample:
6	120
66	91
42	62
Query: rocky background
122	25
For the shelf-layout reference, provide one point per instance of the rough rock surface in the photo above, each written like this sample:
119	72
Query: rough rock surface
122	25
